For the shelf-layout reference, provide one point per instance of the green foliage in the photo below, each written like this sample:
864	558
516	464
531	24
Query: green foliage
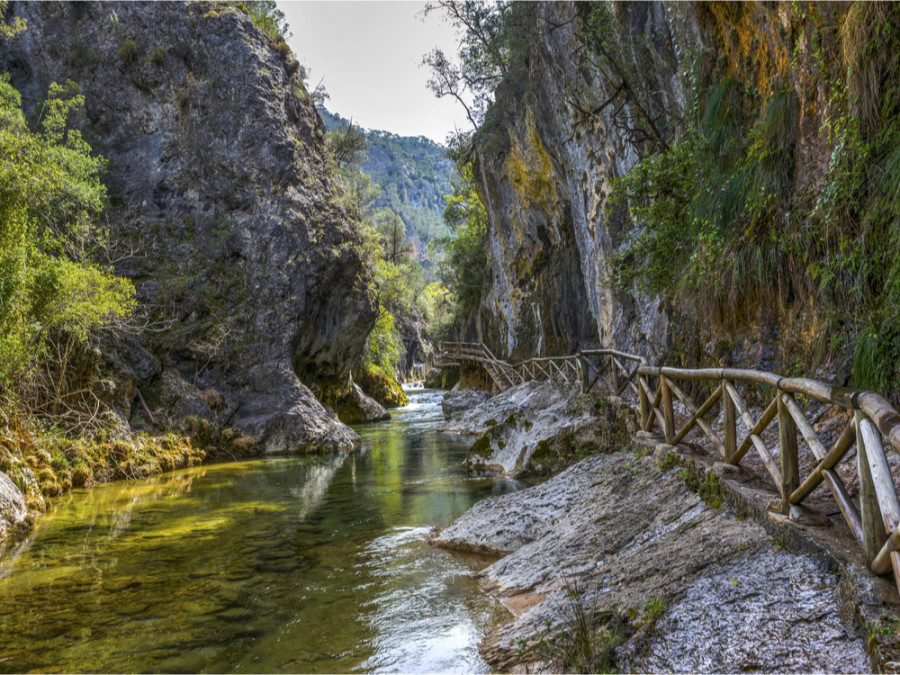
9	30
411	175
158	55
347	146
265	15
82	54
383	349
129	50
50	196
704	483
439	307
721	223
586	640
467	257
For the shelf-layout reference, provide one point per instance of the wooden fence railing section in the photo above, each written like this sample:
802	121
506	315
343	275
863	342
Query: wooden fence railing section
875	522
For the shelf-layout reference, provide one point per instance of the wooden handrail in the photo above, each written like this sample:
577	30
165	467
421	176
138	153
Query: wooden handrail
875	522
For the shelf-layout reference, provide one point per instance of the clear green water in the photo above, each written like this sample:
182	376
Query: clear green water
307	564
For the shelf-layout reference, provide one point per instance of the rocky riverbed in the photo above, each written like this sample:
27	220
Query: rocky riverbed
673	554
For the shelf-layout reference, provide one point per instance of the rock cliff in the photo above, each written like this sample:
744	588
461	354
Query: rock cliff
564	127
223	213
545	169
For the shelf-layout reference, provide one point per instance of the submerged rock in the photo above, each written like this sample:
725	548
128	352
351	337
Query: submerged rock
626	535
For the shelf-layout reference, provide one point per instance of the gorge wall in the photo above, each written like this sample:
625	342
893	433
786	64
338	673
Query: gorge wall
586	106
223	213
545	172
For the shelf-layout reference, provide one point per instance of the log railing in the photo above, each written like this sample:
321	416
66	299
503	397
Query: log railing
873	420
727	421
585	367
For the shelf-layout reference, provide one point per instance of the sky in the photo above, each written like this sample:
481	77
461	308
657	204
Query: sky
368	56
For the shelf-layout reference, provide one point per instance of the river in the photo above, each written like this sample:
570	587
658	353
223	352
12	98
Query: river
289	564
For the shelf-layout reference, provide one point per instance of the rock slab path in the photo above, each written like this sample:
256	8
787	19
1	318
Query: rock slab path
625	533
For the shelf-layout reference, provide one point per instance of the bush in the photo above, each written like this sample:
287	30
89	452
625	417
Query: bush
52	193
129	50
158	56
82	54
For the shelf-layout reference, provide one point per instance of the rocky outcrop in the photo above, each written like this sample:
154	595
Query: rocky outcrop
357	408
224	214
563	128
455	404
528	400
621	536
13	513
532	429
418	358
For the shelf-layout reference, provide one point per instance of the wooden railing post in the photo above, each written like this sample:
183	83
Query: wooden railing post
790	461
729	422
874	534
668	414
645	401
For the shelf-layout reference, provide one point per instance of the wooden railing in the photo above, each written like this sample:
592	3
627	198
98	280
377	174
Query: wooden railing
585	367
875	522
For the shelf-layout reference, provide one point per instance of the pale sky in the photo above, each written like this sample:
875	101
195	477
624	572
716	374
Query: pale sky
367	54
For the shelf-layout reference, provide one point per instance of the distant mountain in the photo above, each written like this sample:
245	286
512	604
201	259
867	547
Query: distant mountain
413	173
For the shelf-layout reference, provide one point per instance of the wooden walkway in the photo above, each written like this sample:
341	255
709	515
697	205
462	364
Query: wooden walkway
585	367
873	518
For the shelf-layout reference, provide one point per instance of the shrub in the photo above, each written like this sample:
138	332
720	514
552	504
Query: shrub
82	54
281	47
49	286
158	55
129	50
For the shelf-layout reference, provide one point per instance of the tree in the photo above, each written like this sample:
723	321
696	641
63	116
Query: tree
348	146
397	248
50	197
483	56
467	257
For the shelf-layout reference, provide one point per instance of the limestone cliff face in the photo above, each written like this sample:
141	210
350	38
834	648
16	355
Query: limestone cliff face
545	178
552	145
223	213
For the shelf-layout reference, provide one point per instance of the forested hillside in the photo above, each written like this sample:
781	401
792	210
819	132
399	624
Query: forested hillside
413	175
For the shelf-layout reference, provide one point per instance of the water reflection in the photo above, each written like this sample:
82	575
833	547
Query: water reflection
314	564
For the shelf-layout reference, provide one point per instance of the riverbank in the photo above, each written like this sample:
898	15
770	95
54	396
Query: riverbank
675	563
42	466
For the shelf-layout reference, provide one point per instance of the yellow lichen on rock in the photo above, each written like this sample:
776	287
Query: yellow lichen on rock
530	169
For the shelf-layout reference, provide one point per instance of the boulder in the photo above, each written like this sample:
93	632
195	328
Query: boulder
12	506
456	403
357	408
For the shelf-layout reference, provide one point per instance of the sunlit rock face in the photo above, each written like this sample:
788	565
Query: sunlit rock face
223	212
546	179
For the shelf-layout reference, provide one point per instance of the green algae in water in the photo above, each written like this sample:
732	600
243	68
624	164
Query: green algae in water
306	564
